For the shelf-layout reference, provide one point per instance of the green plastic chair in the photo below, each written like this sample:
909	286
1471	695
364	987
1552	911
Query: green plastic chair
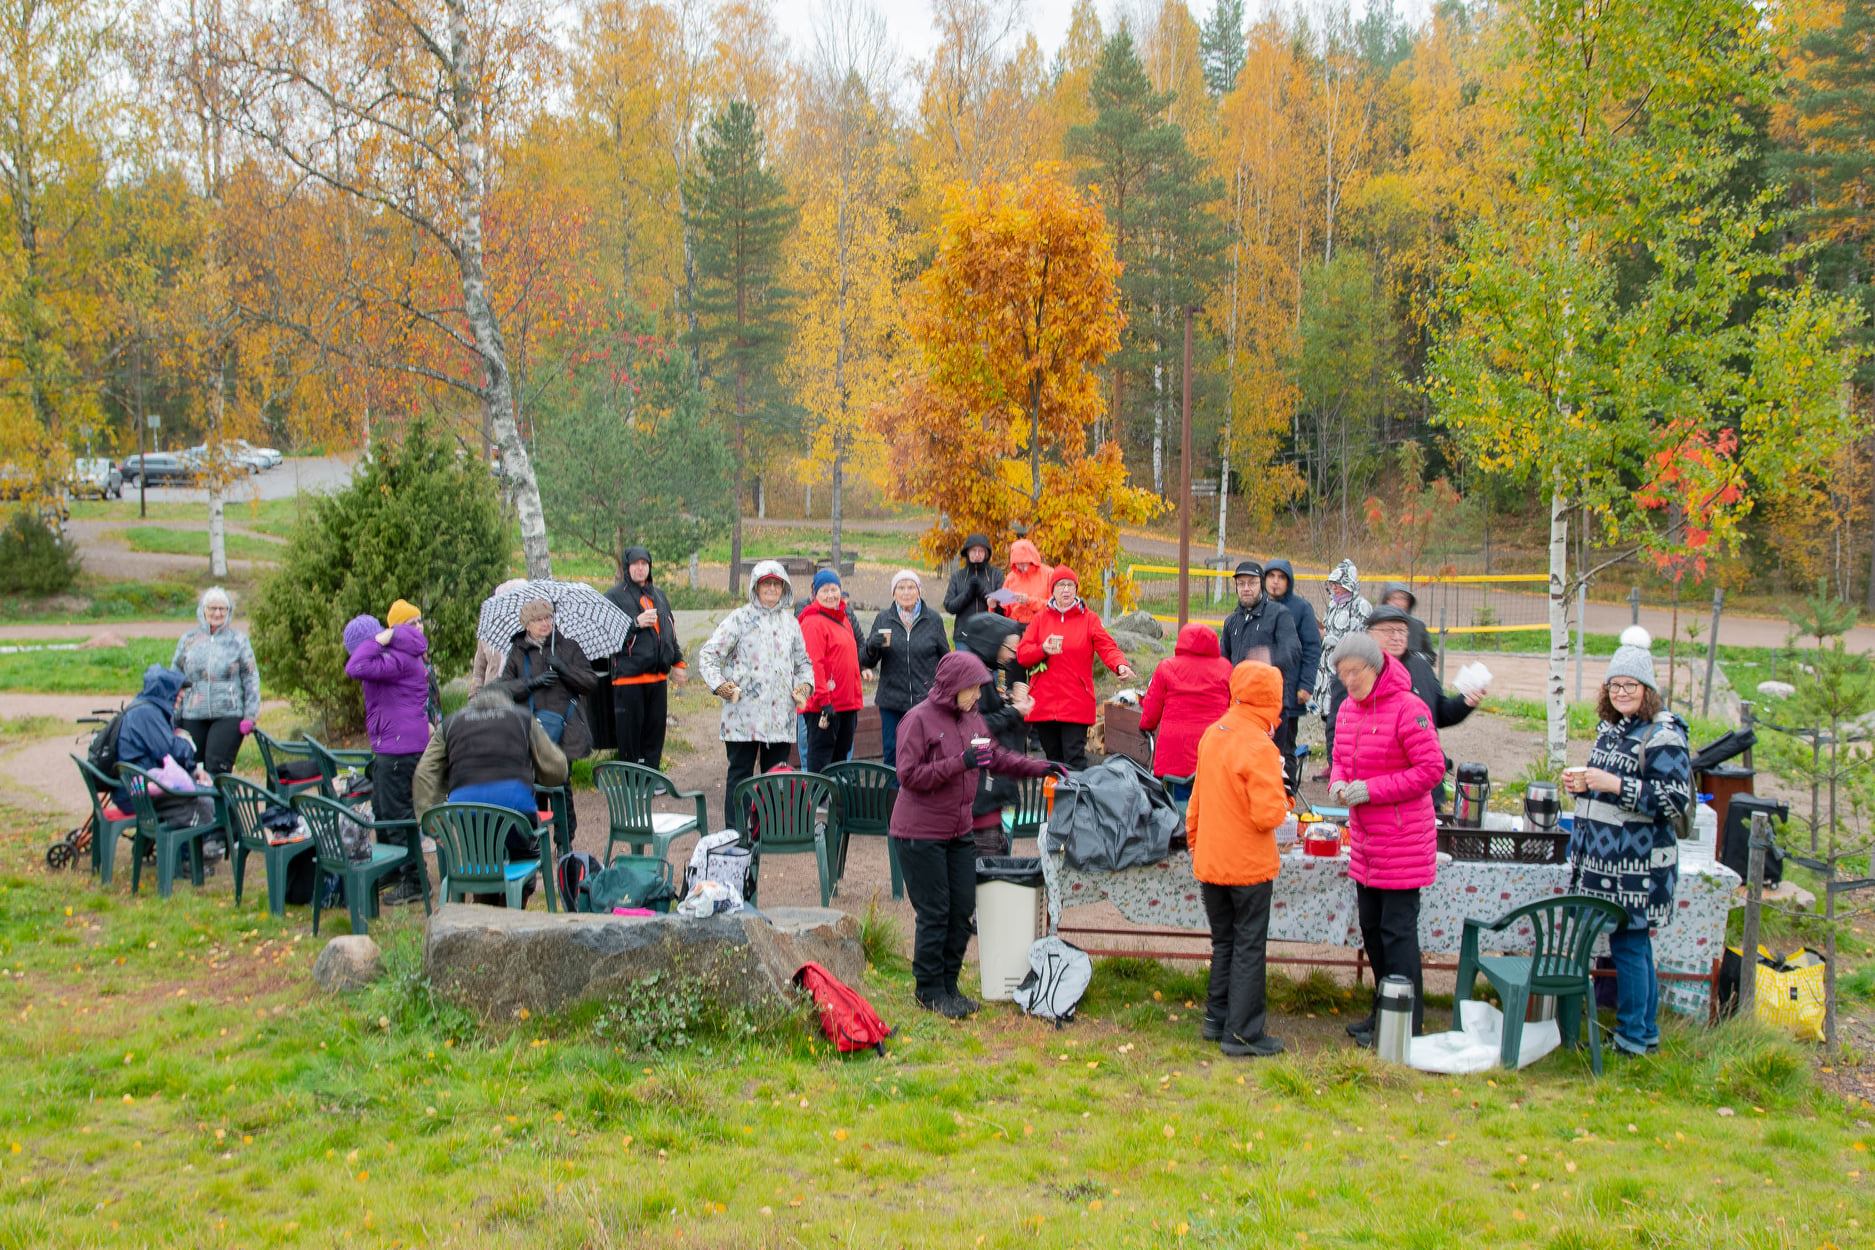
630	790
333	761
361	878
867	792
785	810
275	752
167	839
1180	804
472	841
1560	965
242	804
1025	817
554	805
110	824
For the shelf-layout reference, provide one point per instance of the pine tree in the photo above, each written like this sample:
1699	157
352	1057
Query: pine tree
1222	46
1155	195
741	220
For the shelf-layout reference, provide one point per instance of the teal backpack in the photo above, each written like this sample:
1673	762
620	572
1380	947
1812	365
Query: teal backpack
631	881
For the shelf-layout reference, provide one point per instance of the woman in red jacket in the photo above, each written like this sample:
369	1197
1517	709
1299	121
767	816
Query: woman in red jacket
942	745
833	709
1058	649
1189	692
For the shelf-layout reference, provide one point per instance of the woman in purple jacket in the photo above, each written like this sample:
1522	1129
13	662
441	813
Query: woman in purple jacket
389	664
943	746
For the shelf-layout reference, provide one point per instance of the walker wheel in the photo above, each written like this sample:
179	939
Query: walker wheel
59	856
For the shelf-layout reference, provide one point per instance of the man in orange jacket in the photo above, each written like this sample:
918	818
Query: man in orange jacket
1237	800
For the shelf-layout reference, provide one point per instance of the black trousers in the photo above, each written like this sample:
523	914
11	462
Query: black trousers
217	742
829	745
391	778
1240	929
639	717
941	881
745	760
1390	935
1285	737
1063	743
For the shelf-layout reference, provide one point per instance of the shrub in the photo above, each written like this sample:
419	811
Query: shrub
420	522
35	559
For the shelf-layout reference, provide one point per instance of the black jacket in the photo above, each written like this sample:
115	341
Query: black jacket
645	650
1418	637
1447	709
1308	633
561	656
908	665
983	637
970	586
1267	624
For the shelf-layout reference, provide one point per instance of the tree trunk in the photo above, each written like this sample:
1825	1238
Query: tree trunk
1869	600
497	383
1556	737
837	506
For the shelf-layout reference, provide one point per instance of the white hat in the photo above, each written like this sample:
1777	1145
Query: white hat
906	575
1633	658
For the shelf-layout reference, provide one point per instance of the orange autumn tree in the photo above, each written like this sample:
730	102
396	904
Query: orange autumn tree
1010	321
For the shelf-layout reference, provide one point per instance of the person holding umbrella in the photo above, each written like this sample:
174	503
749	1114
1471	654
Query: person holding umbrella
647	665
549	673
756	662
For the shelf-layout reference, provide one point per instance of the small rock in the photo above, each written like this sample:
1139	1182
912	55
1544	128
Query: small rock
347	963
98	642
1776	689
1138	622
1132	643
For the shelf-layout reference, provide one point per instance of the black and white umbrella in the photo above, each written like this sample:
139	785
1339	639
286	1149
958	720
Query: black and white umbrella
580	613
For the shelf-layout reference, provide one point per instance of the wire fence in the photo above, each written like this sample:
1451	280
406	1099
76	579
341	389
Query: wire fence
1465	603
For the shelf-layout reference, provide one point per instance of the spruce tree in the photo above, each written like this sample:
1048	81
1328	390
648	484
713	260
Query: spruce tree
741	219
1221	46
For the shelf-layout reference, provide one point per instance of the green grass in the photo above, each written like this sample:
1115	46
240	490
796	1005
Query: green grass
155	538
95	602
114	671
1583	718
270	516
15	730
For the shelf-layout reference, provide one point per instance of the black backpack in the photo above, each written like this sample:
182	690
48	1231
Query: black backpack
576	868
102	754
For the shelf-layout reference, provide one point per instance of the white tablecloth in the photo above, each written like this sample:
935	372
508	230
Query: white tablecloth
1314	903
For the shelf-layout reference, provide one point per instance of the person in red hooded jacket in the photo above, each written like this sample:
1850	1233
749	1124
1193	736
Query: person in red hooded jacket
1028	579
1186	696
1058	649
943	749
832	710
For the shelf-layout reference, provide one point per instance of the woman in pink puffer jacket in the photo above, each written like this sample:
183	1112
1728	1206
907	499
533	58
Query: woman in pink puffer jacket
1387	760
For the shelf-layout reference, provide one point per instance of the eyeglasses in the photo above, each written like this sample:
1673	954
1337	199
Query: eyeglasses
1624	687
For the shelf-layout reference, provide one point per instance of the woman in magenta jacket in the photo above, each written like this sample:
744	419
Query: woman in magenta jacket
943	751
1188	694
1386	762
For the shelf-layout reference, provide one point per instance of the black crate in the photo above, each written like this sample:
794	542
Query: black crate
1493	847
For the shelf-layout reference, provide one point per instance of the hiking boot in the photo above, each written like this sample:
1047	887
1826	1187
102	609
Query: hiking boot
970	1005
1260	1047
1358	1027
1211	1030
945	1005
409	890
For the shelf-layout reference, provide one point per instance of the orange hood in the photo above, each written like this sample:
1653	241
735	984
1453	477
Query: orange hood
1256	692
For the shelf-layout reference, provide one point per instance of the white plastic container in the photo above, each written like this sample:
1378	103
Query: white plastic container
1009	920
1706	824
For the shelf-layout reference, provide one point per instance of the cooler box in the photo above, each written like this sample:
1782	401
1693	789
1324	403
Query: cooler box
1009	920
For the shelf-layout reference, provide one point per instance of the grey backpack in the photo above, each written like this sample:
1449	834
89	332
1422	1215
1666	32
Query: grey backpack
1059	973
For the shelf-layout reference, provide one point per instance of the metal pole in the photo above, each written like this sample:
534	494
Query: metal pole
1441	641
1634	604
1184	490
1754	906
1712	649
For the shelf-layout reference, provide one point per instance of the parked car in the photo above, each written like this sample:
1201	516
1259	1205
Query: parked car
160	468
267	456
236	460
96	475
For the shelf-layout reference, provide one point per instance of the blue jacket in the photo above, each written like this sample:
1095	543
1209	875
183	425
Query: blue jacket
149	730
1308	630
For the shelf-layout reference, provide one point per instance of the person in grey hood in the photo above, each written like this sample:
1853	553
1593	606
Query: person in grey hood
1418	637
756	662
1279	583
1347	614
222	698
972	583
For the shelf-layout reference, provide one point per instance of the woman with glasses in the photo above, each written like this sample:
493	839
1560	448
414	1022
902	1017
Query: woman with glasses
1624	847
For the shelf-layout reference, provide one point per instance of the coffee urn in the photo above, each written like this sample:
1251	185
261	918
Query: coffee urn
1542	807
1473	792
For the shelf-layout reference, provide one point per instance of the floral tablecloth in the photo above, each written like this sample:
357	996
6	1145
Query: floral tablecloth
1314	903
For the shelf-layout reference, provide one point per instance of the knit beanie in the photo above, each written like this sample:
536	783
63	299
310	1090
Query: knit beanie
906	575
1633	658
357	630
1360	647
402	613
826	577
1061	574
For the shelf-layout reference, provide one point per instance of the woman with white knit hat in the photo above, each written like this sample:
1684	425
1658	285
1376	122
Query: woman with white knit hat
905	645
1625	844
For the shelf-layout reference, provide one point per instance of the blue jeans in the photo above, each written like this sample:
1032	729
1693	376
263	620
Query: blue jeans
888	736
1637	990
800	737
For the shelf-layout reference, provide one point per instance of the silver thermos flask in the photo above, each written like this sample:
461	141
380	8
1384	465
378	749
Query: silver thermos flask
1394	1033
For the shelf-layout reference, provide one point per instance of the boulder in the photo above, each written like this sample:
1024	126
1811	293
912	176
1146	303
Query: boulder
1137	622
1136	644
1777	689
348	963
494	961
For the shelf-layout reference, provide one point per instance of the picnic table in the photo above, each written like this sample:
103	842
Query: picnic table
1314	903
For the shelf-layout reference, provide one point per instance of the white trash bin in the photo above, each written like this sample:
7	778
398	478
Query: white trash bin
1009	920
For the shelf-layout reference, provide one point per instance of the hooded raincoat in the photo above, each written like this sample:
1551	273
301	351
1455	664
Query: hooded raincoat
1344	618
1186	696
971	584
1237	797
936	787
1308	631
1029	576
647	653
219	665
761	650
149	729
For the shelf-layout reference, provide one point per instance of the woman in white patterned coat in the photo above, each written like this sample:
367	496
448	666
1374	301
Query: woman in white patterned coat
757	664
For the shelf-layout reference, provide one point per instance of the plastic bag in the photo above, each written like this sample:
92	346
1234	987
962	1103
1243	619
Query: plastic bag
1475	1046
710	898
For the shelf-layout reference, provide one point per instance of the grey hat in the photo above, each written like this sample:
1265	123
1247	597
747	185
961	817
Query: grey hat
1360	647
1633	658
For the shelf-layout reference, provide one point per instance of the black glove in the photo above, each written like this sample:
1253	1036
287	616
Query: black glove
542	681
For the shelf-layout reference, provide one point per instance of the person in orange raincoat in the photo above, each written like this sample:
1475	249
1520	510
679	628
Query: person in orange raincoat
1237	801
1028	577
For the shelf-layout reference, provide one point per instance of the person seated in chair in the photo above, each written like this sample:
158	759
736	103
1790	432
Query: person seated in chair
492	751
148	734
